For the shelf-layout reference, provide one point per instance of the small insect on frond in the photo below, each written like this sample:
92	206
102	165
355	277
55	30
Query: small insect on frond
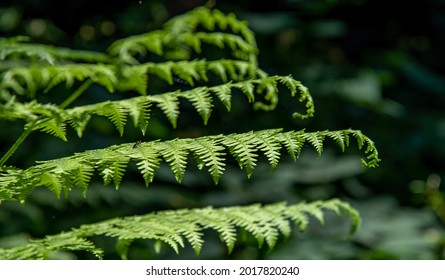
137	144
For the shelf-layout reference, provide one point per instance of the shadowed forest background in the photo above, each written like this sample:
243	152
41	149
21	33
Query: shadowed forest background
368	66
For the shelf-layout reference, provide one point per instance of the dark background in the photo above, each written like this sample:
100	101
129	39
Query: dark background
377	66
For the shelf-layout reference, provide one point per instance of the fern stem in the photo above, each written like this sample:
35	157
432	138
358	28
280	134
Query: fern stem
30	126
18	142
76	94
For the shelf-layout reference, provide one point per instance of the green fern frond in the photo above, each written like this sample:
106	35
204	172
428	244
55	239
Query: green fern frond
28	80
138	107
128	47
266	223
179	36
42	249
19	49
32	52
208	19
209	150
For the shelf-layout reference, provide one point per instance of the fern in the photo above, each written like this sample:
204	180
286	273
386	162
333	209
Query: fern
28	70
111	162
19	48
180	36
137	107
30	79
266	223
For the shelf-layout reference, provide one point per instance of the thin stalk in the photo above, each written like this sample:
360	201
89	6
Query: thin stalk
18	142
30	126
76	94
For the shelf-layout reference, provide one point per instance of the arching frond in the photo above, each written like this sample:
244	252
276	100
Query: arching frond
138	107
28	80
32	79
11	49
209	151
266	223
179	36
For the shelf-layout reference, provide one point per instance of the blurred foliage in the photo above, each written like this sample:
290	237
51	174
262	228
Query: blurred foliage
369	65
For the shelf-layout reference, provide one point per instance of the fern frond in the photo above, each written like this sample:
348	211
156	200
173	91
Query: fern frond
208	19
42	249
266	223
28	80
179	36
11	50
208	150
19	49
138	107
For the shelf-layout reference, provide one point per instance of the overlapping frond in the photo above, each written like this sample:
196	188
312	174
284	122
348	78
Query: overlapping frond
138	108
180	36
266	223
11	49
28	80
209	151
